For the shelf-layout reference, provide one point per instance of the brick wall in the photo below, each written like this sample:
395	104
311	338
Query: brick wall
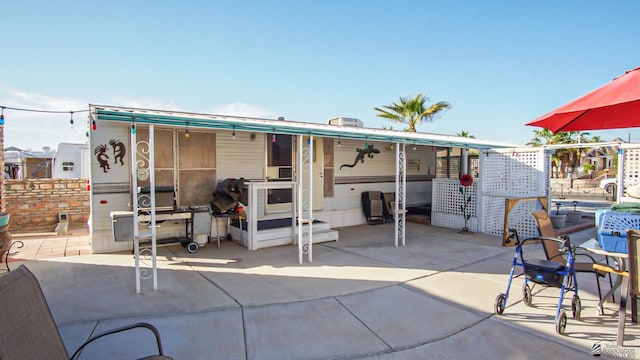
34	204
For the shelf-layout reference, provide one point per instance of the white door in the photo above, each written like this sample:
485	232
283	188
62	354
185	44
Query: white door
317	176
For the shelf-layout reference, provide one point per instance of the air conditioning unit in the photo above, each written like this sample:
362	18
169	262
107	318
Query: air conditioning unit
345	121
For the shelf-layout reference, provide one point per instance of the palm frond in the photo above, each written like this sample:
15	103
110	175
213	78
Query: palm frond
411	110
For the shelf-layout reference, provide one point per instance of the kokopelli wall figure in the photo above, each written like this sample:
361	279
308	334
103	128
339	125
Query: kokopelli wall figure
118	149
101	155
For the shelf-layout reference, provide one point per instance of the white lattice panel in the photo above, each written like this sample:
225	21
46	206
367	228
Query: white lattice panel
631	167
446	204
504	174
520	217
453	221
512	173
492	214
517	173
450	198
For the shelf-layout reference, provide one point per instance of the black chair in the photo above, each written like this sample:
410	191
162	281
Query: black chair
374	208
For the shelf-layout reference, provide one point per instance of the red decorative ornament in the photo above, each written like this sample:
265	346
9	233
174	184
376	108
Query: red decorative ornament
466	180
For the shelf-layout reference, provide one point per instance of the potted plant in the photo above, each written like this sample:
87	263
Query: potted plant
4	219
5	235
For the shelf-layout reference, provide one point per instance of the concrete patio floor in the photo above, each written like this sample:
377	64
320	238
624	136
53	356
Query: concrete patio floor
360	298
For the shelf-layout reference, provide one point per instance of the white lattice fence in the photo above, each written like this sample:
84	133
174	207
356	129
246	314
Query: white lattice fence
520	217
507	174
446	202
504	174
631	167
511	174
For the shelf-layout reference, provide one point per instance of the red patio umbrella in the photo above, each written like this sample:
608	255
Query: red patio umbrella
615	105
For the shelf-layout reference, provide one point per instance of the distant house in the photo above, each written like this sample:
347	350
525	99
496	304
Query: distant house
71	162
603	158
28	164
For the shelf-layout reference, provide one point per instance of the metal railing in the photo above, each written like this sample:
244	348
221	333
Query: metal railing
579	191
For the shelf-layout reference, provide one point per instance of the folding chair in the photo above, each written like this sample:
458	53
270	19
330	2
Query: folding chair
27	326
551	251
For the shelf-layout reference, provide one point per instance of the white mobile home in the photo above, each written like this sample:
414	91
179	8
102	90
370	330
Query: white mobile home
307	173
71	162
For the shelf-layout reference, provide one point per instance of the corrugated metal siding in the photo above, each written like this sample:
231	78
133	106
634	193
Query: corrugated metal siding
240	157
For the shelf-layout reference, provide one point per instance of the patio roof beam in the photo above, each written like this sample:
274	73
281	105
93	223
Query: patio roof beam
205	121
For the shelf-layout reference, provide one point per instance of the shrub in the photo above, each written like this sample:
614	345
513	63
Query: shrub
587	167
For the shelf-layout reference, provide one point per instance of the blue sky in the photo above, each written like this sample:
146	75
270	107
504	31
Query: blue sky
499	63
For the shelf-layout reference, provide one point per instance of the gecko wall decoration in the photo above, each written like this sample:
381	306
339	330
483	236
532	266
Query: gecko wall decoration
367	151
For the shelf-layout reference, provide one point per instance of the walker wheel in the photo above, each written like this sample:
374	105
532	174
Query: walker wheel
576	307
192	247
561	322
499	305
527	297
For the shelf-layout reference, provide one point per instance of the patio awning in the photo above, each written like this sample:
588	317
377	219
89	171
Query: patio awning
237	123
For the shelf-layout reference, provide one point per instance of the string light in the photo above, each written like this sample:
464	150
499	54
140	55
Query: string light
186	132
133	128
339	142
2	108
42	111
94	126
273	138
233	134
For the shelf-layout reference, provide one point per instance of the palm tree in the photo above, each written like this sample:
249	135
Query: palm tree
546	137
411	111
465	133
473	152
567	157
542	137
